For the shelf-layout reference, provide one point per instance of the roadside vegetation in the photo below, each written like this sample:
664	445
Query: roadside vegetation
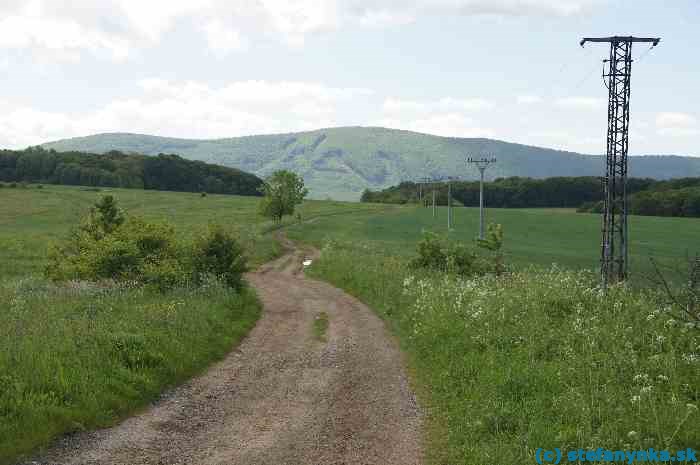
538	357
128	309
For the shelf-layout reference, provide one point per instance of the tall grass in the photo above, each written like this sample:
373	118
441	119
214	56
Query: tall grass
80	356
540	358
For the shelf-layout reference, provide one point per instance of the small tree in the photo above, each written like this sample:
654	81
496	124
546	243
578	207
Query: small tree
283	191
104	218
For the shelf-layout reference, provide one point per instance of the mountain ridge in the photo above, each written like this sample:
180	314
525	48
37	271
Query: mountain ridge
342	162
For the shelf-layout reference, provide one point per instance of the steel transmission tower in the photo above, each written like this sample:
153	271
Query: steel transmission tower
615	244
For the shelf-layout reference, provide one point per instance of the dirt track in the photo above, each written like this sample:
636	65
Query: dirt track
283	397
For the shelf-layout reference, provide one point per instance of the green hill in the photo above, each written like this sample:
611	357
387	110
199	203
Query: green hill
341	162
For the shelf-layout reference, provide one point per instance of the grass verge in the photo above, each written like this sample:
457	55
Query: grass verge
538	359
82	356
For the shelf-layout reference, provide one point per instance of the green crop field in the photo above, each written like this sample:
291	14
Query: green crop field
532	236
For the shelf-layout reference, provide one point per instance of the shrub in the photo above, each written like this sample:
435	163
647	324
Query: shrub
107	245
110	245
218	253
436	253
203	194
13	185
104	218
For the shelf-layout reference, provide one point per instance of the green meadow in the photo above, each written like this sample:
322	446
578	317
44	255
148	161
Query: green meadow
32	218
504	365
532	236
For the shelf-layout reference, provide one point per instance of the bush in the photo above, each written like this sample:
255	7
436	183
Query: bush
109	245
436	253
218	253
132	252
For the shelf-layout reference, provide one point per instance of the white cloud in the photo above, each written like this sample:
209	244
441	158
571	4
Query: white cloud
675	120
398	12
676	124
223	40
117	28
580	103
190	109
64	39
528	99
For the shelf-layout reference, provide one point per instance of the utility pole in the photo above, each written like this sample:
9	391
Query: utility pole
449	205
481	164
420	183
615	240
434	213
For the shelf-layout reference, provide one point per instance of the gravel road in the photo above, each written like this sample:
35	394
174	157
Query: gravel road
282	397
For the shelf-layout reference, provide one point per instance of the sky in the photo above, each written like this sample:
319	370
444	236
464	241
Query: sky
505	69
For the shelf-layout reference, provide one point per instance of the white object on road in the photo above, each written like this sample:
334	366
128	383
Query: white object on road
306	262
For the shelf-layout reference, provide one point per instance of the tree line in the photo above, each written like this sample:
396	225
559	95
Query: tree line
676	197
117	169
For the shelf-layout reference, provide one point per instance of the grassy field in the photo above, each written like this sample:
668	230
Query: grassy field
32	218
532	236
84	356
79	356
504	366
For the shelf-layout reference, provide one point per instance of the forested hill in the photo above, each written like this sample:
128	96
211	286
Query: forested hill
342	162
116	169
676	197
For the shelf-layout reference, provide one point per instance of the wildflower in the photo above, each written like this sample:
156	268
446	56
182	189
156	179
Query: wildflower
692	407
635	399
646	389
662	378
632	435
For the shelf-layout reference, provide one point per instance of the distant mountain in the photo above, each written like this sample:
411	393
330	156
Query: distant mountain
341	162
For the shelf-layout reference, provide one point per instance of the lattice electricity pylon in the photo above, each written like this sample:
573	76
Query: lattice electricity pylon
614	243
